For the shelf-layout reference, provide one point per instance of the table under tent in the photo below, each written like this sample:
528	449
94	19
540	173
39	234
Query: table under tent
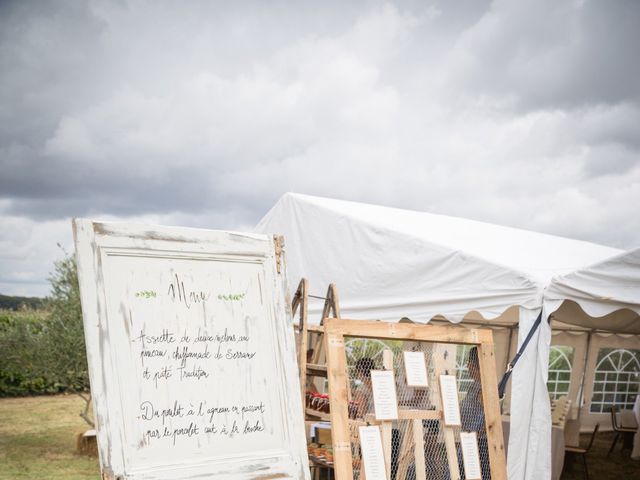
390	263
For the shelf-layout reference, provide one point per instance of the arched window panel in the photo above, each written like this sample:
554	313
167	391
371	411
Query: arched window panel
462	371
616	380
560	365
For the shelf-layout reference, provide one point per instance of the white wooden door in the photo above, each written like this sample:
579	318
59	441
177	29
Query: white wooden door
191	353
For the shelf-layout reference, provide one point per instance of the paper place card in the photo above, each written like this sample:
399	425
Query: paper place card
384	394
450	406
372	454
415	368
470	455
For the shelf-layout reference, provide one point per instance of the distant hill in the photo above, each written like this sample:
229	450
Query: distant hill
8	302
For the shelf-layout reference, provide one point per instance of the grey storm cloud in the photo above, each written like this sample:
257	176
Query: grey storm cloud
202	114
550	54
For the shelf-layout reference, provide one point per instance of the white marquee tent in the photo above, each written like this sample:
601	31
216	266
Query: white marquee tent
390	263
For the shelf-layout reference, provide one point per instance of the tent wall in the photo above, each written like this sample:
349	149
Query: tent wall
587	348
579	341
588	419
529	454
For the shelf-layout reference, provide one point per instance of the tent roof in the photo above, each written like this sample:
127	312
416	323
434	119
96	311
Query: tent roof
604	296
538	255
378	256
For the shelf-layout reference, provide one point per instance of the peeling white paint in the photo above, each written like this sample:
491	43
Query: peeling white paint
191	353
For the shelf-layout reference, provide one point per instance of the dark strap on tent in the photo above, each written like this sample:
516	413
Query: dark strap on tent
502	386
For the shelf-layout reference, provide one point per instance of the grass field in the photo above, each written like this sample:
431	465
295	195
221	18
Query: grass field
38	441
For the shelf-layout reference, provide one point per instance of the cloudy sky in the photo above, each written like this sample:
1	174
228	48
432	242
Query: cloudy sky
523	113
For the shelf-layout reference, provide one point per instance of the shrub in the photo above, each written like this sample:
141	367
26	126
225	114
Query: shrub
42	351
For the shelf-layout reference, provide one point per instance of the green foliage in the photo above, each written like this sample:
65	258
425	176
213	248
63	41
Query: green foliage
43	351
8	302
21	335
67	361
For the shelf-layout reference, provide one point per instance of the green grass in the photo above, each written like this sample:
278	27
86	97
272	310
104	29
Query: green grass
38	439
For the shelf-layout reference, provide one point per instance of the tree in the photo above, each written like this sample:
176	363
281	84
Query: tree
66	351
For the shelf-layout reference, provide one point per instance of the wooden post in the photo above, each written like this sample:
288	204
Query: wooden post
492	418
418	449
386	426
337	371
301	301
331	303
404	459
448	433
452	455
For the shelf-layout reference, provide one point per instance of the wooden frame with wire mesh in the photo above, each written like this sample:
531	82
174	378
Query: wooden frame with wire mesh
409	443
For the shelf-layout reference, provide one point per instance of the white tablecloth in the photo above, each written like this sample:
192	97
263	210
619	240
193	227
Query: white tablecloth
557	448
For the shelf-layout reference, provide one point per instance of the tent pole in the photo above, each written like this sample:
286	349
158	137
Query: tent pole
584	374
506	361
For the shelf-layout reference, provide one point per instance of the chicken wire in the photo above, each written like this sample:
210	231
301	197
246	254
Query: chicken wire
366	354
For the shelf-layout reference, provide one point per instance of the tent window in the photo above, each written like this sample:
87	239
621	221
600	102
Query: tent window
560	361
366	347
462	372
617	379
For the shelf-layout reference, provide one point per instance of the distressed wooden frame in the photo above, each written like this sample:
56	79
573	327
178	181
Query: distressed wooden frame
337	329
95	242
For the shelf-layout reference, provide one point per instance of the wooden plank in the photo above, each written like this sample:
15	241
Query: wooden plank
406	414
418	449
338	386
301	300
448	432
386	434
493	419
406	450
331	303
452	455
407	331
386	426
316	370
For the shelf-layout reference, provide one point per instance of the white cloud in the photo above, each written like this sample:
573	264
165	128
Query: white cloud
204	116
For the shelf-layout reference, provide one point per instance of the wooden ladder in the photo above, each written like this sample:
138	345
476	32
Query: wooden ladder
311	338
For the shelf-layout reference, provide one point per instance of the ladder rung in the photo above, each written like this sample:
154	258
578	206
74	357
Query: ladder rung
316	370
310	328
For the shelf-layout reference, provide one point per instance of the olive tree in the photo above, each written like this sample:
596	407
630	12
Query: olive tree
66	354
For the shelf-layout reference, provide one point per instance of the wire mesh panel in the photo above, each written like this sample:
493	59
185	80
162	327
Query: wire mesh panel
418	441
